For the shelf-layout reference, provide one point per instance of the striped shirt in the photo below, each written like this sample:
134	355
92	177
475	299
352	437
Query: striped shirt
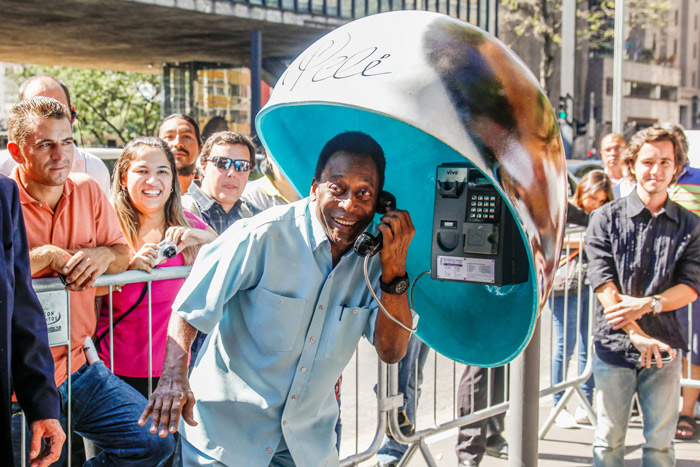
210	210
686	191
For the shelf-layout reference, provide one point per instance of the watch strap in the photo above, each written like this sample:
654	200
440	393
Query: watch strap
398	286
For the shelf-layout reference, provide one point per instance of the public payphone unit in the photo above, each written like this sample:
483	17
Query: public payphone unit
475	238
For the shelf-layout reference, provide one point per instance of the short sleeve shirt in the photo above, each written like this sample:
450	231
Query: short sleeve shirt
130	335
211	211
282	323
83	218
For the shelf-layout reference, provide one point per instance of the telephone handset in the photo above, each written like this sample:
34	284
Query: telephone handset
367	244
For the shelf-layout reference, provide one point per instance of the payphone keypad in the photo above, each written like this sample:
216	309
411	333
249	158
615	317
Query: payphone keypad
483	207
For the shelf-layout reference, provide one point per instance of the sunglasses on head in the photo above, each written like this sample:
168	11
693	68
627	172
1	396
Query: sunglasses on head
225	163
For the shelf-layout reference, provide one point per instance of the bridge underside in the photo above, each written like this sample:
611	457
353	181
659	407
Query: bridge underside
140	35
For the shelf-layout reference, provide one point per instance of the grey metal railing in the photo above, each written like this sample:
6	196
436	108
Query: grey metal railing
388	400
479	12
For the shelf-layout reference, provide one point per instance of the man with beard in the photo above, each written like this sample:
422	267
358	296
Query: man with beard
181	133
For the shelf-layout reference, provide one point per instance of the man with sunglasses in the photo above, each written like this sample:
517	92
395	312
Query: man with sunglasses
227	159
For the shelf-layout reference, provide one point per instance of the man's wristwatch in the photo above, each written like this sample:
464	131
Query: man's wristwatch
656	305
398	286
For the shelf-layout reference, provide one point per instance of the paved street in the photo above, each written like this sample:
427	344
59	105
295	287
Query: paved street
560	447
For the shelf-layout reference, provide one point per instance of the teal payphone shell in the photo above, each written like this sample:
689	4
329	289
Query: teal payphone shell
434	90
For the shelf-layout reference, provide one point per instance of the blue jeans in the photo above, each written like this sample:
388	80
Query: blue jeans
104	410
416	354
560	364
658	391
692	336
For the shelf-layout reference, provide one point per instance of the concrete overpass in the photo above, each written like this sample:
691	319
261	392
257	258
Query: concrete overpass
178	37
144	35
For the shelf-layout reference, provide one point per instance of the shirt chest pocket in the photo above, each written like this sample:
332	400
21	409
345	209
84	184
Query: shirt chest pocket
344	331
274	320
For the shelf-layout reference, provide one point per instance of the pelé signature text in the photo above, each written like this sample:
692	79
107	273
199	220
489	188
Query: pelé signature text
333	60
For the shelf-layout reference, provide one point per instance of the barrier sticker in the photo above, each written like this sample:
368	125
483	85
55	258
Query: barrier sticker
55	305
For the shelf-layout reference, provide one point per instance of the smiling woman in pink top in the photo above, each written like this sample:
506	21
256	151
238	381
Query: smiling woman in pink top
146	197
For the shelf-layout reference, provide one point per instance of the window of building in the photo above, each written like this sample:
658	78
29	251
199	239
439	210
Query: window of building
667	93
695	22
683	116
643	90
640	90
695	51
693	80
675	46
675	17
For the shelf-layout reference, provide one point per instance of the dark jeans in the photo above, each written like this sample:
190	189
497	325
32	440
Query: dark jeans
104	410
472	396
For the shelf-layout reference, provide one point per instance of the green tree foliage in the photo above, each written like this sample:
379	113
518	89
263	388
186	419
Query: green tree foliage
111	105
541	19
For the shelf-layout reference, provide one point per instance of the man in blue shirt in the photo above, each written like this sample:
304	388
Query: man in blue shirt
283	298
26	363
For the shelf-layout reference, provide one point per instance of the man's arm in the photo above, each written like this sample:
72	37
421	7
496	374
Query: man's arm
86	265
52	433
32	363
648	347
81	267
173	395
48	256
390	339
628	309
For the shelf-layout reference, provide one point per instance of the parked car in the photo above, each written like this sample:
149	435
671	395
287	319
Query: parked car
579	168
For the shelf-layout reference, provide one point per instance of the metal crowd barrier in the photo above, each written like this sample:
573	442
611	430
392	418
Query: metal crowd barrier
388	400
55	300
440	422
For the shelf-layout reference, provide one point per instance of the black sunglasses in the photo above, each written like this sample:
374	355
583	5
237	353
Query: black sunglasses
225	163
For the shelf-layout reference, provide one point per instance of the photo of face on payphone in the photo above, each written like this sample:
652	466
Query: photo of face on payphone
475	238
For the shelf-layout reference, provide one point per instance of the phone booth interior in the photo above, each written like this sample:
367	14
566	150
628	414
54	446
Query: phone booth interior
473	154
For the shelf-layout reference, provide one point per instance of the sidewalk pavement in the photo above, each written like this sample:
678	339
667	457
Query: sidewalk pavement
562	448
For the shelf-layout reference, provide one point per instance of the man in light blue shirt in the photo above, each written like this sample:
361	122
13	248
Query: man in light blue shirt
283	298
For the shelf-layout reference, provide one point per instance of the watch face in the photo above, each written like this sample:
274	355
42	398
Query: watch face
401	286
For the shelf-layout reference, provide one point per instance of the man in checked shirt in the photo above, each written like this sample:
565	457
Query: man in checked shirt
644	264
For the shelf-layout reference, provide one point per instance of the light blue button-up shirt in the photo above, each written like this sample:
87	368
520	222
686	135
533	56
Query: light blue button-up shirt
282	325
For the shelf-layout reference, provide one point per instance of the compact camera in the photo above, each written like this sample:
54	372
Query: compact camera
167	250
